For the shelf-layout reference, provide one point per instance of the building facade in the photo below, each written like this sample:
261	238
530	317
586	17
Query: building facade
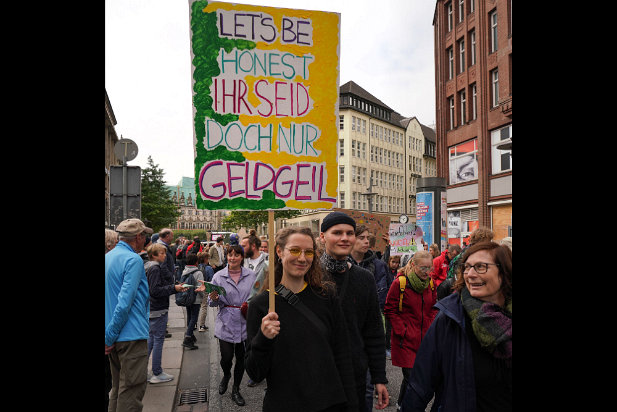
110	158
380	152
183	194
473	61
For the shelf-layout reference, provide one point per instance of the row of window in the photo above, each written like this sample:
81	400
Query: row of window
463	158
380	179
365	106
466	111
385	204
382	133
461	50
462	9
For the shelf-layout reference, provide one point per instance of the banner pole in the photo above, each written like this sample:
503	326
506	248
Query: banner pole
271	254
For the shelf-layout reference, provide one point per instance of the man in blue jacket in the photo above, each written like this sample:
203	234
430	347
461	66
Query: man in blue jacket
127	310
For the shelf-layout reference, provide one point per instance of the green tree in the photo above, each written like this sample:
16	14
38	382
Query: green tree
156	203
253	218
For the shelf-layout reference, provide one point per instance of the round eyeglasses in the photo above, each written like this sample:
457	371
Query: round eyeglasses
478	267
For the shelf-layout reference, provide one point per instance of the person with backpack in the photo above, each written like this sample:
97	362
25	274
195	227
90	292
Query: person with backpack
191	299
409	307
161	287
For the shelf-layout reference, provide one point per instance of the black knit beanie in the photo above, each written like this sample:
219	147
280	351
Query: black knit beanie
336	218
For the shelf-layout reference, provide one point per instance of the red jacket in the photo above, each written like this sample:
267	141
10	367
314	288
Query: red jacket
440	268
409	325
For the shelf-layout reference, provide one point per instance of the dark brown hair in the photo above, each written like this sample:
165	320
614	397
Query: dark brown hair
314	276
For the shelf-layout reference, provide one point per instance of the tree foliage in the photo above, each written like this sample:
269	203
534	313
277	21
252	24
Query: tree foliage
156	204
253	218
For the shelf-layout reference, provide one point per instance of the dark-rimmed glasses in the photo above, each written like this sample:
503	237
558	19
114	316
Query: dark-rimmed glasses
478	267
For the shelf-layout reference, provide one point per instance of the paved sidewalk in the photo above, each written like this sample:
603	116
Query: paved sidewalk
160	397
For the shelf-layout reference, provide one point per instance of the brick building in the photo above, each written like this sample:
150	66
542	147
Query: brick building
473	61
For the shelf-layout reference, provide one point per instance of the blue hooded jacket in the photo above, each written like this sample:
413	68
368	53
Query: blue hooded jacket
444	364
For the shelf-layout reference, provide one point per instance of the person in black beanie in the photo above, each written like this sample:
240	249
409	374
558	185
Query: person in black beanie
356	289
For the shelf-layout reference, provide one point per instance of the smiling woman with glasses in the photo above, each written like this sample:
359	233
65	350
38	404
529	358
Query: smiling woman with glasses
465	359
303	353
410	312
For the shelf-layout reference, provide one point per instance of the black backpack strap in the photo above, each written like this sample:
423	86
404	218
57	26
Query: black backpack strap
295	301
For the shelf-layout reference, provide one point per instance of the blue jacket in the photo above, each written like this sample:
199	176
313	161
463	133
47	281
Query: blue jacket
444	364
127	297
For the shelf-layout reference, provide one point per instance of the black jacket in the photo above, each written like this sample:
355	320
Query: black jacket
160	284
364	323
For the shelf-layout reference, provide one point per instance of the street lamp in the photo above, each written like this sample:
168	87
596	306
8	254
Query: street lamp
370	193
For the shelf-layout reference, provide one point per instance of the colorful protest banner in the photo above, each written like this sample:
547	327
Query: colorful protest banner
404	238
265	106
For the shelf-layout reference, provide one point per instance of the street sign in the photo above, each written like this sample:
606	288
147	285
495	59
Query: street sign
116	194
125	149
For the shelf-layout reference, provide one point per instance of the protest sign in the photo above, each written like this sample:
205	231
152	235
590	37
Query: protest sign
404	238
265	106
378	225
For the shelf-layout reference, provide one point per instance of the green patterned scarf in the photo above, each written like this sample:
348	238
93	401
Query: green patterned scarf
491	324
416	283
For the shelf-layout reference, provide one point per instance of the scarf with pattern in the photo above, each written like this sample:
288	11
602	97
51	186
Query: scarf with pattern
491	324
328	263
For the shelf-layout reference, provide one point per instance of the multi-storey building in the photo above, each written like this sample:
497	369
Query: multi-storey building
110	157
473	61
377	145
183	194
380	152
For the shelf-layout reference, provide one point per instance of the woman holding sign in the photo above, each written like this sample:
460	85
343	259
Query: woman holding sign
230	325
301	349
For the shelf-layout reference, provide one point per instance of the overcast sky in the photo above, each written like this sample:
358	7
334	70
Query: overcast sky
386	48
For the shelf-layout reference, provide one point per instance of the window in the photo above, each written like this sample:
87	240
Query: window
501	159
461	55
463	102
451	107
353	148
341	147
492	17
449	15
341	122
461	10
450	62
342	202
353	122
474	101
463	162
494	88
472	49
363	126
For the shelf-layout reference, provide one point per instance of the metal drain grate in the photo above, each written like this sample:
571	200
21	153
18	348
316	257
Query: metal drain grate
190	396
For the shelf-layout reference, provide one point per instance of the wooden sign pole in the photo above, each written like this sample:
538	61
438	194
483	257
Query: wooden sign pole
271	254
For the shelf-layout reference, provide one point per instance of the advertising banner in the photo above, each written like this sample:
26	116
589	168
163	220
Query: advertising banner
424	215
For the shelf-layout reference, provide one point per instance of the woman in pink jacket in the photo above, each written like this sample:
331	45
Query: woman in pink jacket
411	319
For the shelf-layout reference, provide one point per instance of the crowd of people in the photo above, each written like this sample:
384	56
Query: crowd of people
342	309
